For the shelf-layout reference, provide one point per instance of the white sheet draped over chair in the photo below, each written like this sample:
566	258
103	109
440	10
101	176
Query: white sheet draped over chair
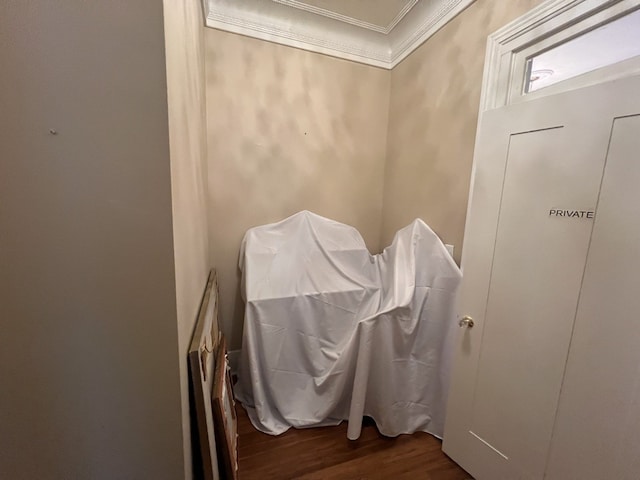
334	333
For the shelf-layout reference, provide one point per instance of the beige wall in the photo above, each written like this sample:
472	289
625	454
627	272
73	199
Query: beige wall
435	96
288	130
92	269
88	342
184	38
291	130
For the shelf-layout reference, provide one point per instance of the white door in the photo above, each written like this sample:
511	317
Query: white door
547	382
597	432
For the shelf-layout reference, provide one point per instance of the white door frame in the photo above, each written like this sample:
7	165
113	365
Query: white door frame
549	24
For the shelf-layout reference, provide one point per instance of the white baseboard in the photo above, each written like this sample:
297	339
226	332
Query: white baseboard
234	358
449	248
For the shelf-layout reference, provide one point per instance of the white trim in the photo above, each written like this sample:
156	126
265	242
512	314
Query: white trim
502	62
286	23
503	45
347	19
234	358
296	28
400	16
446	11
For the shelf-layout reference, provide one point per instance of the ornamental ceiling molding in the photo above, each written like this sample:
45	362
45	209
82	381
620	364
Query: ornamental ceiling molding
352	20
301	24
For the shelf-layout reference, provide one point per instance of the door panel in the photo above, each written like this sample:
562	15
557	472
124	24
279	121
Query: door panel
523	272
528	326
598	429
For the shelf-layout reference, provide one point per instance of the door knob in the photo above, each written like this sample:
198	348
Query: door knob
466	321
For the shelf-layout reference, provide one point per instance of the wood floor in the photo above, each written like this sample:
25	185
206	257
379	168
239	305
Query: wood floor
325	453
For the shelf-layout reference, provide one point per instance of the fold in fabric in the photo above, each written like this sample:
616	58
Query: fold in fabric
334	333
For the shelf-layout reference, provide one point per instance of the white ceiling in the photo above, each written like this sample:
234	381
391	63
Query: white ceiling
375	32
377	15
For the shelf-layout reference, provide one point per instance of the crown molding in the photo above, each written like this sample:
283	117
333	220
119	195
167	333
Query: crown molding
287	23
427	20
353	21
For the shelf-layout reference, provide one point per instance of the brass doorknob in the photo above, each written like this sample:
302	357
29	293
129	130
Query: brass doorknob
466	321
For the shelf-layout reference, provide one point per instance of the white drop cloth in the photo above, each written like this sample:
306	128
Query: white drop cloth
332	332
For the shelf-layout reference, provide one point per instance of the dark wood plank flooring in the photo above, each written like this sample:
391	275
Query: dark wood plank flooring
326	453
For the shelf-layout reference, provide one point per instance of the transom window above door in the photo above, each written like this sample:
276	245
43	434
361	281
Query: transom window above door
606	45
561	46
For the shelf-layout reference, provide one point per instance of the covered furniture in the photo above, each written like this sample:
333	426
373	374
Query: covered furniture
334	333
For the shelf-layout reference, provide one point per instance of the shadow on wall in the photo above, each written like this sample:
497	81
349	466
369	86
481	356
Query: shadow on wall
288	130
435	96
